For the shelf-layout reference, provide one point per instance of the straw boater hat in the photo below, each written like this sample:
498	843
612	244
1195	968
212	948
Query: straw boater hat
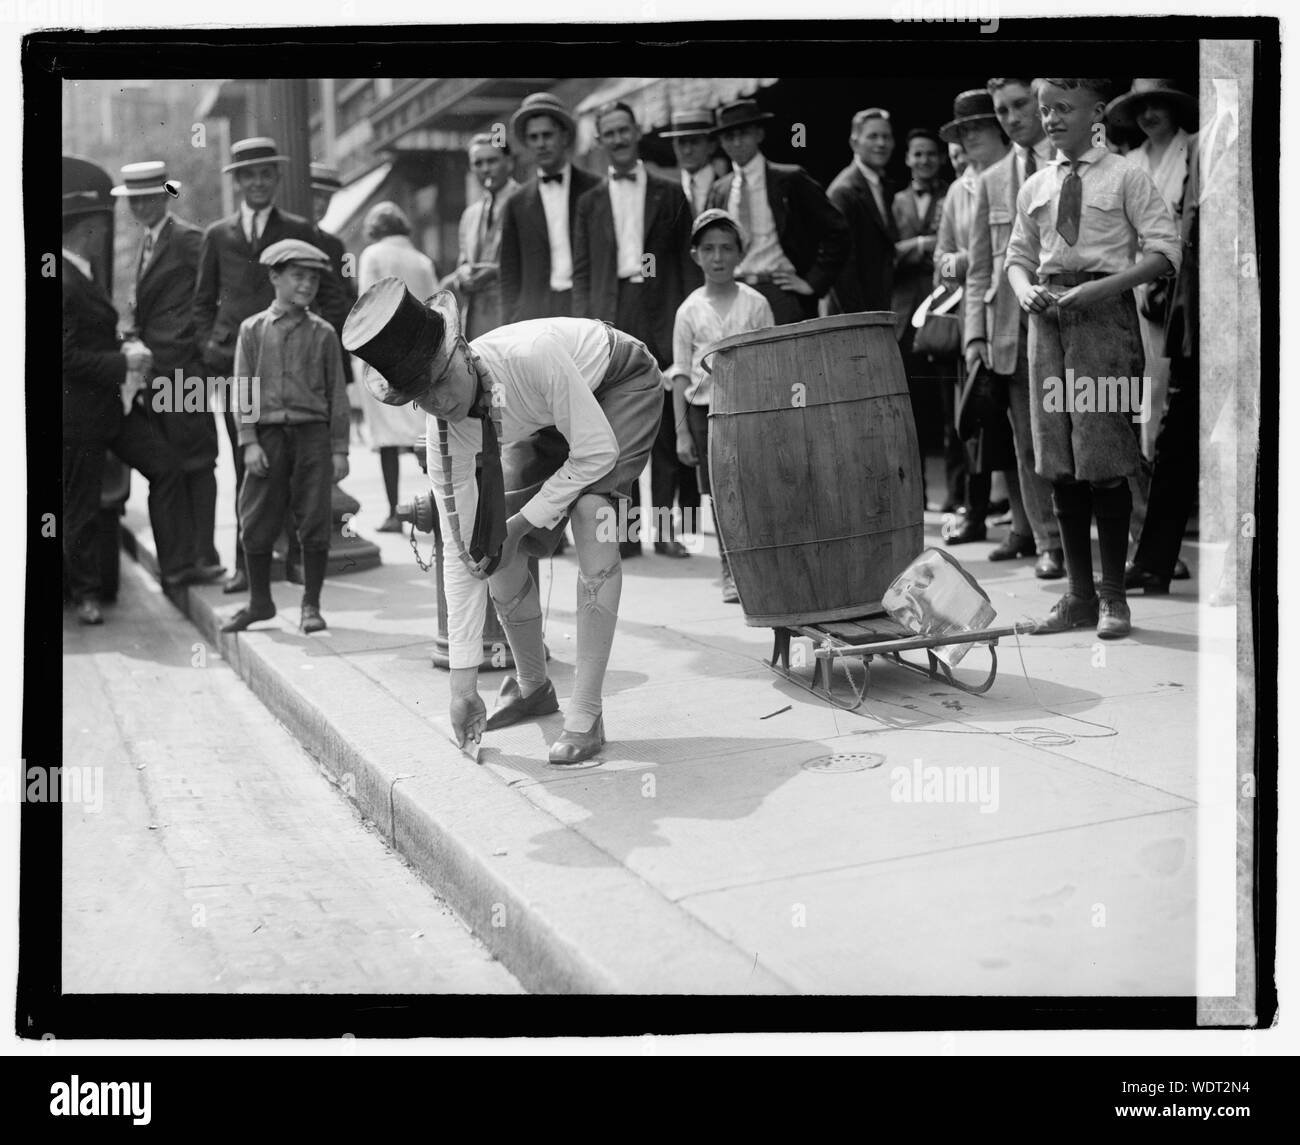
294	250
249	152
692	121
739	114
325	178
1123	110
145	179
974	106
409	345
540	103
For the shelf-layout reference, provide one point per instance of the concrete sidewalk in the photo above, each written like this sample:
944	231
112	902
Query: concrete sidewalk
1038	840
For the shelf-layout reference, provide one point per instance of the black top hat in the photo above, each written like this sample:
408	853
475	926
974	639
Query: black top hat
692	121
1123	110
738	114
409	345
540	103
974	106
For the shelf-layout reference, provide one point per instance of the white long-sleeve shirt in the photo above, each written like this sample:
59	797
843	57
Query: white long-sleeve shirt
544	373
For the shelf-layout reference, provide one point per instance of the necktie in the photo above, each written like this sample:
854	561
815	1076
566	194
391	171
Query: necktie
552	178
1031	162
485	227
1069	205
146	250
743	212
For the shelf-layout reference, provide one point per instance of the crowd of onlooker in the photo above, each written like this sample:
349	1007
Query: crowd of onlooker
1041	253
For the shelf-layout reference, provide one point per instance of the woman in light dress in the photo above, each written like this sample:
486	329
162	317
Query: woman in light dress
391	254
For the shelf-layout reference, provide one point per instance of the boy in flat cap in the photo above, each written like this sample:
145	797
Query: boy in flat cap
294	436
600	391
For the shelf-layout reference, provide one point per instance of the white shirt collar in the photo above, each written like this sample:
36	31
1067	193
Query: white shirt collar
80	263
638	173
246	212
563	184
867	173
1088	158
156	229
752	169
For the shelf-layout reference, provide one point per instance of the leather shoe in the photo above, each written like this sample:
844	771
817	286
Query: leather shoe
246	616
1016	545
392	525
1114	620
629	549
88	612
237	583
209	574
671	549
577	747
966	530
310	620
1068	612
1181	571
188	575
513	707
1136	577
1051	565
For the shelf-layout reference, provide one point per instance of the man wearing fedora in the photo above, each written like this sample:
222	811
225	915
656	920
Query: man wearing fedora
539	220
232	285
691	132
602	392
863	193
995	334
477	277
798	241
632	268
162	317
104	384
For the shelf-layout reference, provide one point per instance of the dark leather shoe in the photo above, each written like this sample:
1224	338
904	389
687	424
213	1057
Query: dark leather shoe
1068	612
1136	577
1016	545
1114	620
209	574
966	530
1051	565
88	612
237	583
673	549
1181	571
310	620
246	616
577	747
180	579
629	549
514	707
392	525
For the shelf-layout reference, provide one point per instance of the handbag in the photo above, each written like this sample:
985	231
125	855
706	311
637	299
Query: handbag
938	323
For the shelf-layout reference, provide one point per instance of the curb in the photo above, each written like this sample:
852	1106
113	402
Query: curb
468	835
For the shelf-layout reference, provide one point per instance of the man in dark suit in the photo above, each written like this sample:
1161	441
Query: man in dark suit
325	182
539	220
632	268
103	379
232	285
798	241
863	194
162	317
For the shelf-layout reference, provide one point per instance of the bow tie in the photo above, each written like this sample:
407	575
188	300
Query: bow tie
622	175
552	178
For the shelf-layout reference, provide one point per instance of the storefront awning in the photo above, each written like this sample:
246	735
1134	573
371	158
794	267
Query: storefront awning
347	202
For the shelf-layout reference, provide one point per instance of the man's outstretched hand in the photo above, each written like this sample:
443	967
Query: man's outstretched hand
468	717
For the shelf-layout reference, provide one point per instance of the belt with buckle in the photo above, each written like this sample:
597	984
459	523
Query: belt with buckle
1072	277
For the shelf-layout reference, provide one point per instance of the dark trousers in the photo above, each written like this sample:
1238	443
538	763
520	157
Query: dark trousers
1176	473
300	477
232	431
954	450
201	498
139	444
787	306
669	479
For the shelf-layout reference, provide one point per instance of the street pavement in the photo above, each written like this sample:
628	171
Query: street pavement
1038	840
209	854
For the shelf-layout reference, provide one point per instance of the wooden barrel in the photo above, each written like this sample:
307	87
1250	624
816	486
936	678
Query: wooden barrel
813	459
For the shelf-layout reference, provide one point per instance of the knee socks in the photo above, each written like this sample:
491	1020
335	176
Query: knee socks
598	598
259	580
1072	501
313	574
1112	507
521	617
